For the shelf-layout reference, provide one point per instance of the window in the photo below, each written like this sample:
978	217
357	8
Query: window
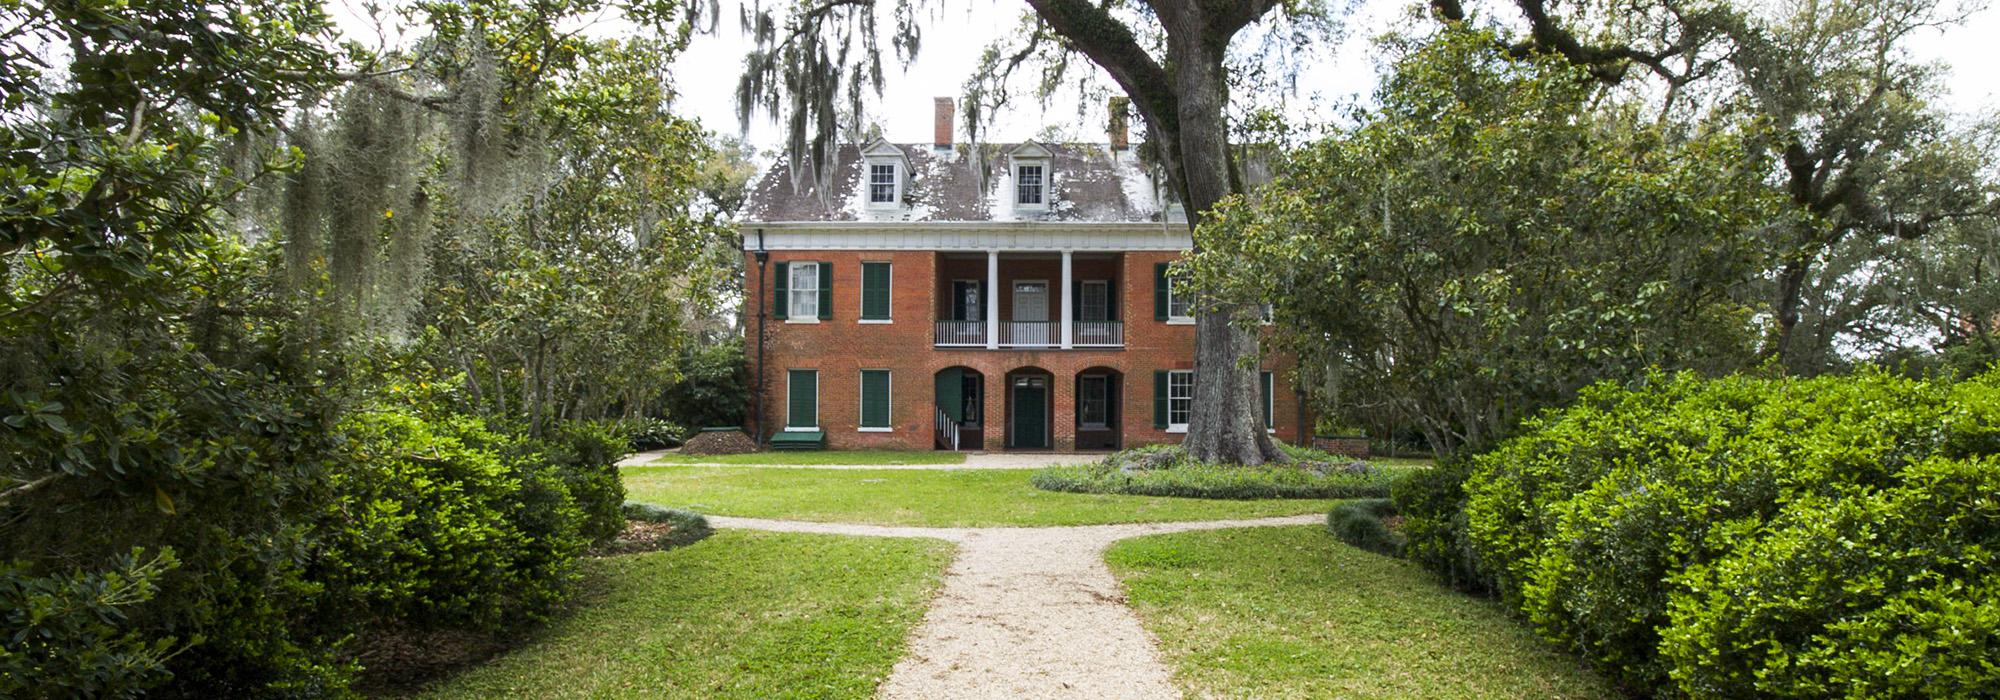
1177	304
802	400
804	292
1180	399
1265	383
1029	188
1095	301
875	277
882	183
1093	401
875	400
965	301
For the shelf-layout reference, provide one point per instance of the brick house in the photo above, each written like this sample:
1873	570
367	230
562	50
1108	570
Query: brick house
1009	297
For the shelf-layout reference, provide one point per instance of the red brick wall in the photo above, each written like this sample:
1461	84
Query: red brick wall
841	347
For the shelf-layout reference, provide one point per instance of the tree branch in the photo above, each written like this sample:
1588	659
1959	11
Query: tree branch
1113	46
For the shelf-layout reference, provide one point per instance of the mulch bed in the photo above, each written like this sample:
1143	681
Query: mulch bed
639	536
733	442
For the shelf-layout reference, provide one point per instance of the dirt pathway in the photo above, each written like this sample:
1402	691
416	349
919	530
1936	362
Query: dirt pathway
1027	613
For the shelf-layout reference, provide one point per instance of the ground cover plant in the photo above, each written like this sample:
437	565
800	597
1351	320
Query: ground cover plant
821	457
1165	470
1745	537
1290	613
739	615
938	498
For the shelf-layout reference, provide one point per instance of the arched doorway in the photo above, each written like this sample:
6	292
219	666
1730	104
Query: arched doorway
1099	392
960	409
1030	415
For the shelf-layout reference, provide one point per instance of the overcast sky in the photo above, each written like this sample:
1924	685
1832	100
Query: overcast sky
706	74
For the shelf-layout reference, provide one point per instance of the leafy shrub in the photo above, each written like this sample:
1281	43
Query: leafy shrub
689	527
714	389
1892	594
587	455
1360	523
1432	504
643	434
1705	533
70	635
1166	471
449	524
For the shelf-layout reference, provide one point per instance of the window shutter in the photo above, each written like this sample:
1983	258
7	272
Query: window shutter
875	291
781	299
1160	399
874	398
1111	311
1160	292
1264	387
951	393
803	403
825	291
1076	299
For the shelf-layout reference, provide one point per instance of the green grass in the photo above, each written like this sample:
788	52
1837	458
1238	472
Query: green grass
739	615
935	498
1292	613
809	458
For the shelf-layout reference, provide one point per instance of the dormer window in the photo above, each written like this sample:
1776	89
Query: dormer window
1031	165
1030	186
884	173
882	183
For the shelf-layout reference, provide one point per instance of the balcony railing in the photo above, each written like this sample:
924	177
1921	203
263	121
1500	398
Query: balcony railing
1030	334
961	334
1100	334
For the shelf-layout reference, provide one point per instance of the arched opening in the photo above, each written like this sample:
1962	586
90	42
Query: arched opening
1099	391
960	409
1030	409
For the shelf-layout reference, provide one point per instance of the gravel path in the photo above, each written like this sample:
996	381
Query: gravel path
1027	613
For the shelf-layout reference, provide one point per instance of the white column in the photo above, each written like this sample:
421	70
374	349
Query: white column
992	300
1068	337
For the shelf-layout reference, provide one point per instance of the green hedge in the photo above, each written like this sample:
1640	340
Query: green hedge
1170	473
1745	537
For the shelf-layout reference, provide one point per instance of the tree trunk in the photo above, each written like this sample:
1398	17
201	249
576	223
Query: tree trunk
1226	426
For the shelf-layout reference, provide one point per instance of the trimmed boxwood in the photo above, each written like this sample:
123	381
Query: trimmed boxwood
1745	537
1166	471
1360	523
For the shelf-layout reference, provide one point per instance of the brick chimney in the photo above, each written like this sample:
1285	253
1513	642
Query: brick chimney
942	124
1121	139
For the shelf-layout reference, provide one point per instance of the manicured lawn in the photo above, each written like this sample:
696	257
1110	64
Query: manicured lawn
1292	613
883	457
911	497
739	615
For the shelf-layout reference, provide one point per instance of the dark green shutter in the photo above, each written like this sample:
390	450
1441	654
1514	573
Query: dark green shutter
874	398
1160	292
781	298
802	406
875	291
951	393
1076	300
1160	399
825	291
1111	310
1264	389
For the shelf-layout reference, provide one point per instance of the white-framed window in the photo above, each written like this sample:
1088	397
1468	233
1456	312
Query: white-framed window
1031	186
1268	382
1095	304
1179	306
1180	399
883	184
1093	401
803	297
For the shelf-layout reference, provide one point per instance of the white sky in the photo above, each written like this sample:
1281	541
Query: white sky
953	39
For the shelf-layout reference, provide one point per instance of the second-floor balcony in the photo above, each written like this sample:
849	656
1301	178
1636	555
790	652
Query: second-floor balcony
1030	334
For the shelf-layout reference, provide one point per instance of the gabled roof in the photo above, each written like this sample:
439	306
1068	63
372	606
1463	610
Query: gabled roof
1028	149
1088	183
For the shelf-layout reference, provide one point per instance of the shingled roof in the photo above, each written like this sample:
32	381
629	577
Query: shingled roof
1088	183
